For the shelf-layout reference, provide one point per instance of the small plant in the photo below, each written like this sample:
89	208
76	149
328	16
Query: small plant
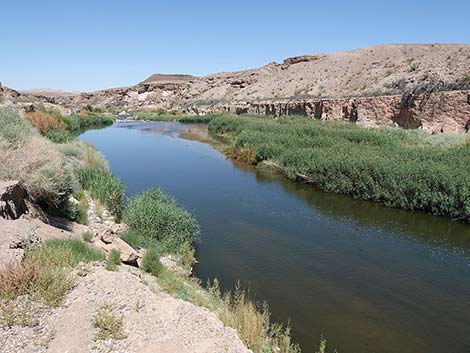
151	262
113	260
108	324
104	187
466	77
52	286
87	237
187	255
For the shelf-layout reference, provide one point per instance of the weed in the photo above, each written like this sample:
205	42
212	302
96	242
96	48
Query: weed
113	260
108	324
87	237
151	262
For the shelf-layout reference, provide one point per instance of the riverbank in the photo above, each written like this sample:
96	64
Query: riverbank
162	233
397	168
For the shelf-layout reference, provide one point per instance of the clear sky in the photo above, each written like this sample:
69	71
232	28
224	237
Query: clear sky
93	44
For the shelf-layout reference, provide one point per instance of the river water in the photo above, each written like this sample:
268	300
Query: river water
369	278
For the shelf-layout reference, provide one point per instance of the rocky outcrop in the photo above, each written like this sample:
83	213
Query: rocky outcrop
303	58
441	112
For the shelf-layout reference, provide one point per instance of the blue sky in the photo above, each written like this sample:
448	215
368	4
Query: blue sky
94	44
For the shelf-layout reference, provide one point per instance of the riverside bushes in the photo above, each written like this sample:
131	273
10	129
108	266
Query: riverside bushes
158	221
104	187
398	168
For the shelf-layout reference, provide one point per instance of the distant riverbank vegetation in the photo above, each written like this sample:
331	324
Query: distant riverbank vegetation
398	168
173	115
61	129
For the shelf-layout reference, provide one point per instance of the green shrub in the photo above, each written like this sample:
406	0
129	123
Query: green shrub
151	262
109	325
113	260
77	124
104	187
133	239
58	137
160	221
13	128
87	237
79	212
52	286
64	253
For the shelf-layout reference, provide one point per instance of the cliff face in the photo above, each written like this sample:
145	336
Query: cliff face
365	85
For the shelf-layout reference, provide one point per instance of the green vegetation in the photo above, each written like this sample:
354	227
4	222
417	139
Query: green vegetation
113	260
163	115
151	262
160	222
104	187
398	168
87	237
45	272
64	253
108	324
79	212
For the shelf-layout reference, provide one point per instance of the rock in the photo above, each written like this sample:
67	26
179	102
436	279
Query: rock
107	240
13	198
303	58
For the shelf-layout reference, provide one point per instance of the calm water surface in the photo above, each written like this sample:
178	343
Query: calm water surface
370	279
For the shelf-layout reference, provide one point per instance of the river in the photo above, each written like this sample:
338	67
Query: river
369	278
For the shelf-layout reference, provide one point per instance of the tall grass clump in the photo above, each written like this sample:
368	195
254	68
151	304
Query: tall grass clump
104	187
398	168
64	253
159	221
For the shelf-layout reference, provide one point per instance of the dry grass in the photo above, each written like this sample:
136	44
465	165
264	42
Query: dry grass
45	121
39	166
109	325
17	277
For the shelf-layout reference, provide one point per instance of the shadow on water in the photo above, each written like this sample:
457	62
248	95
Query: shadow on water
371	279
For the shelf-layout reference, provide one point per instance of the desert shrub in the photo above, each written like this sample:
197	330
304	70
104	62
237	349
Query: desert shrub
45	120
52	285
160	221
109	325
187	255
151	262
13	128
64	253
16	277
397	168
48	284
104	187
113	260
87	237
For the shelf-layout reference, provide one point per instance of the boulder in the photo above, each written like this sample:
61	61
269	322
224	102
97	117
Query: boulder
13	197
108	240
